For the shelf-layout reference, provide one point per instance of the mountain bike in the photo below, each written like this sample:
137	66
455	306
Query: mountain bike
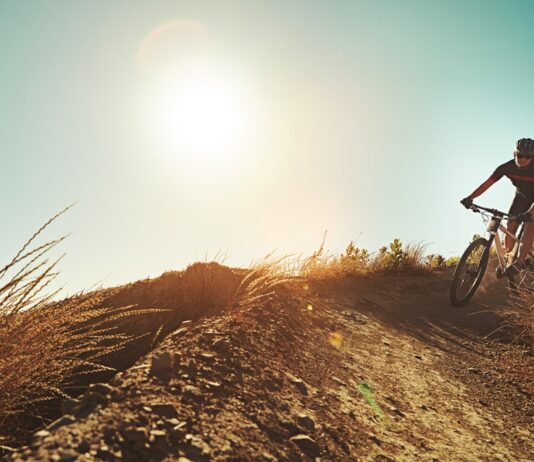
474	261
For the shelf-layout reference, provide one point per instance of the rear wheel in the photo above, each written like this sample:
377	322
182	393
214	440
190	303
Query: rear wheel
469	272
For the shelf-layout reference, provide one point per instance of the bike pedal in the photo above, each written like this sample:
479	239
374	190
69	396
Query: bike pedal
499	272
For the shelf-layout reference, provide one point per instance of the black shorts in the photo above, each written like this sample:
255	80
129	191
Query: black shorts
520	204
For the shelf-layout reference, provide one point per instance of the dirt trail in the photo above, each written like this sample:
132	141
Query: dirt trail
379	369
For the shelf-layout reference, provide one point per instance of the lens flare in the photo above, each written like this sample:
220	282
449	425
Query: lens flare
336	339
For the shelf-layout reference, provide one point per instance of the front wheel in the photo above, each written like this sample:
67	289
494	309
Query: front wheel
469	271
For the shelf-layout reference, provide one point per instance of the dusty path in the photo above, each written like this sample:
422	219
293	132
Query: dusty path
370	370
465	397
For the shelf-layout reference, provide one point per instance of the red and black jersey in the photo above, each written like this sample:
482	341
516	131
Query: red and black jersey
522	178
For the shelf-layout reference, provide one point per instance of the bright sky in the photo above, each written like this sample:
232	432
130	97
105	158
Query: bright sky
187	128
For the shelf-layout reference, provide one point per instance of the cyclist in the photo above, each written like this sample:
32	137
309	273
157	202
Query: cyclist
520	170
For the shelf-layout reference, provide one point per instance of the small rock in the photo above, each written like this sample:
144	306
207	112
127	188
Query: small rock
179	332
337	380
161	365
90	399
117	395
306	422
116	381
222	346
164	410
136	435
301	385
271	385
172	422
161	444
42	433
397	411
158	438
84	446
418	357
198	445
473	370
208	357
68	455
192	392
307	444
109	433
103	451
268	457
290	426
375	439
101	388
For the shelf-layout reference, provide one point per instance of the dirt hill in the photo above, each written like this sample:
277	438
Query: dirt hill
379	369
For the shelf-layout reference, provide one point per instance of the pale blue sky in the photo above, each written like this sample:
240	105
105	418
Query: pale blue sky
369	119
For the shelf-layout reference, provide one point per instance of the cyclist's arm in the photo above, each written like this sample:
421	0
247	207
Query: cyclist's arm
483	187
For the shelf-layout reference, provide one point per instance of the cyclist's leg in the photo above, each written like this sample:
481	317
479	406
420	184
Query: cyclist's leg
511	226
528	237
520	204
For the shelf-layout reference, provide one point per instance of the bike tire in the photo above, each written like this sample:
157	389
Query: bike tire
455	294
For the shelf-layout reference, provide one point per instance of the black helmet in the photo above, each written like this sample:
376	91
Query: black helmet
525	147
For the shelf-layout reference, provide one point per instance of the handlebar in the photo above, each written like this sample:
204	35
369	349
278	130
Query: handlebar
478	208
522	217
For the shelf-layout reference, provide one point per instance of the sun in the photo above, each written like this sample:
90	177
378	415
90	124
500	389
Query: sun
199	109
199	116
201	119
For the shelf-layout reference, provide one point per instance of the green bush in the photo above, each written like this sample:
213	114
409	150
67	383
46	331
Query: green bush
435	261
451	261
355	257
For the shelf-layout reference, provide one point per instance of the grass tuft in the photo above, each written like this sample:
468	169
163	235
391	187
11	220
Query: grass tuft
46	345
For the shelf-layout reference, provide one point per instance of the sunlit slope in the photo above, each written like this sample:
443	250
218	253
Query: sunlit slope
341	369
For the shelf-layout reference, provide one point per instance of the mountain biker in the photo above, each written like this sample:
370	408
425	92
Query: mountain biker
520	170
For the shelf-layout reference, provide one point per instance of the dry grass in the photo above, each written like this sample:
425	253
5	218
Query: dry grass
360	262
519	317
46	345
267	281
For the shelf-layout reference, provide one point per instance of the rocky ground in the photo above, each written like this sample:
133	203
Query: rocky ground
380	369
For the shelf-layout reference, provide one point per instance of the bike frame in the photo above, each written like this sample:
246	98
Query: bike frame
496	240
494	226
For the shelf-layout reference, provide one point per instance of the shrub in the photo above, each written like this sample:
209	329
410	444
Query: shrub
434	260
451	261
357	261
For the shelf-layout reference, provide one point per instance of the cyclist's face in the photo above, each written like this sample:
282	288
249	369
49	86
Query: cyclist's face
522	161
